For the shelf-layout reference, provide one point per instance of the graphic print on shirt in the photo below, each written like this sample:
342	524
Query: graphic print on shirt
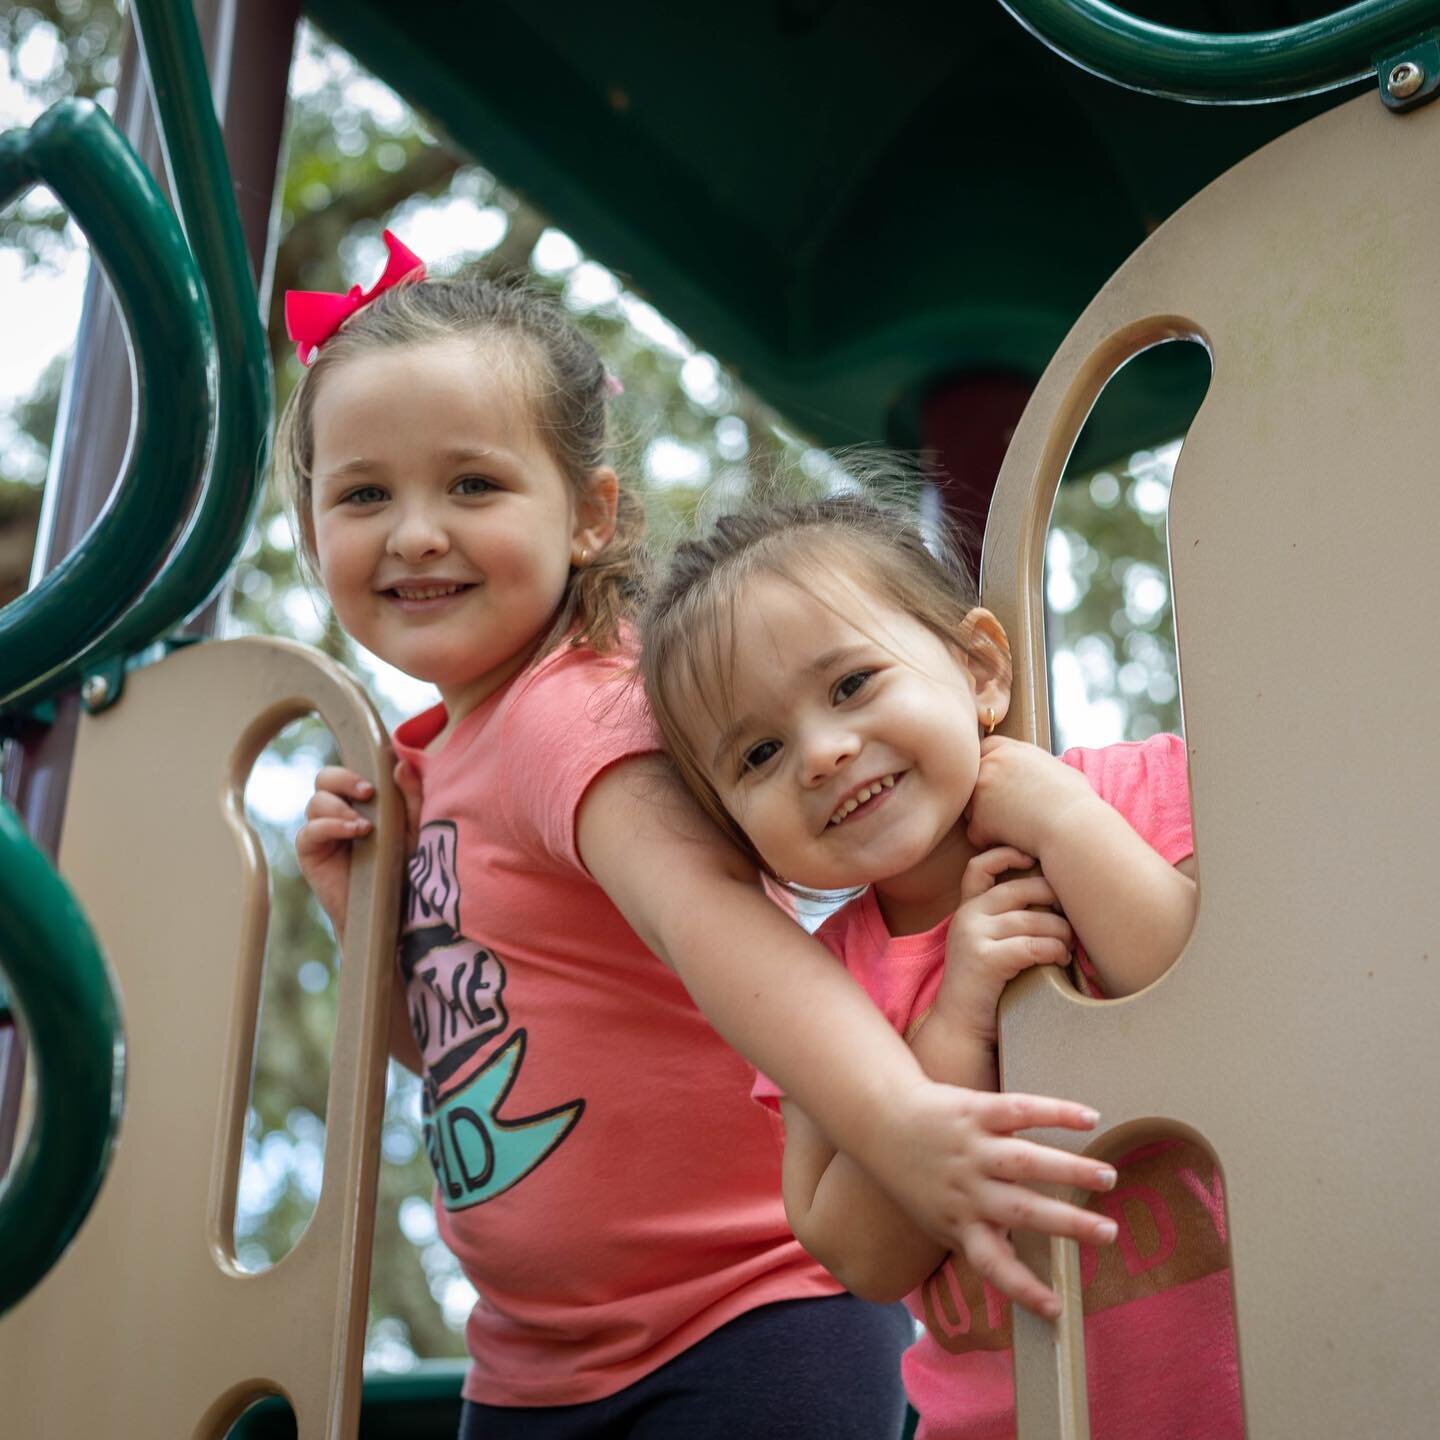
1169	1206
455	990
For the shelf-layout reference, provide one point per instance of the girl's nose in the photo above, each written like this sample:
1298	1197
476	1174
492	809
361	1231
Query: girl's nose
417	534
828	750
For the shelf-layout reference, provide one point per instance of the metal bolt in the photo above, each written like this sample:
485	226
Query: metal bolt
1405	79
95	691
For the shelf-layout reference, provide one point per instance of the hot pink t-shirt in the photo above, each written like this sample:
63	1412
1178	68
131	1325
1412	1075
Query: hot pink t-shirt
603	1177
1159	1328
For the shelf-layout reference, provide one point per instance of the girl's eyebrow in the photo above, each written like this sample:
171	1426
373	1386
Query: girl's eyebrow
356	465
828	658
454	455
460	454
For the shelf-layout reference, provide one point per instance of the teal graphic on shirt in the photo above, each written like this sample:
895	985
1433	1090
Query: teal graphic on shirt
477	1155
456	993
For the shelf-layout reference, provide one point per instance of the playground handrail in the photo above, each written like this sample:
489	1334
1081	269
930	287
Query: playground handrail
60	985
76	150
1217	69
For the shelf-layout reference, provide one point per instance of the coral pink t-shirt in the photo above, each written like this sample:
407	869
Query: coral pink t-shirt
603	1177
1159	1327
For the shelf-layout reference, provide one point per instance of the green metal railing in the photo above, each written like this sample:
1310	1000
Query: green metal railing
1226	69
61	988
76	150
201	410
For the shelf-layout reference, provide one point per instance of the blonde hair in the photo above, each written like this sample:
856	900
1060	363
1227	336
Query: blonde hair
688	626
568	390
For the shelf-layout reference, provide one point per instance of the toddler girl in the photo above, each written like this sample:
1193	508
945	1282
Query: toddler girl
826	687
601	1173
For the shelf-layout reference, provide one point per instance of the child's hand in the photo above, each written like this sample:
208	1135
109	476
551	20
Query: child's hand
995	935
1022	795
332	825
969	1178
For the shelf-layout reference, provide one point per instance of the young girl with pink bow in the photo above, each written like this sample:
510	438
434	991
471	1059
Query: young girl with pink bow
602	1174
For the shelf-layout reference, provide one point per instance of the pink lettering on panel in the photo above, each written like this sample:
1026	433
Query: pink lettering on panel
1212	1197
947	1308
1114	1205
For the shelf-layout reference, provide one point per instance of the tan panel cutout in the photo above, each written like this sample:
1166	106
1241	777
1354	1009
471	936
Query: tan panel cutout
1297	1034
146	1327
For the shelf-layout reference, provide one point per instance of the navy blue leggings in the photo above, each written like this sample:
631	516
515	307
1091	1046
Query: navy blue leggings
826	1369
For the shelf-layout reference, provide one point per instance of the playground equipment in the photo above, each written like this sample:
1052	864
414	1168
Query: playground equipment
1301	591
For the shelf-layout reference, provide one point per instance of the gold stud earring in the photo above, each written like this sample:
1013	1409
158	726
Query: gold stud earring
584	555
989	719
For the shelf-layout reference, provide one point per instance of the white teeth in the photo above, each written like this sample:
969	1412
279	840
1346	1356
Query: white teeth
434	592
867	792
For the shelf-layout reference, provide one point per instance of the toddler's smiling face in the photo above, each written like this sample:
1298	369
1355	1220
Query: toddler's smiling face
846	749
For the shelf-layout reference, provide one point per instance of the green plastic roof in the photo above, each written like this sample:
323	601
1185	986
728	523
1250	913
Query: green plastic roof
845	201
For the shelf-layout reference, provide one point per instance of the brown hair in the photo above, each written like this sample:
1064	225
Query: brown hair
568	391
688	627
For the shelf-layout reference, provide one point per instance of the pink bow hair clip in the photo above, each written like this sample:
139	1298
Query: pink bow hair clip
313	316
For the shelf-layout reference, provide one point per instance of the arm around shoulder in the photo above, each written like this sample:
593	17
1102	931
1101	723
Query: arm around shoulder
772	991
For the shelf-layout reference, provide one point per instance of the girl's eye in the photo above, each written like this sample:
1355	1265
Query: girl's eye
365	495
851	684
759	755
473	485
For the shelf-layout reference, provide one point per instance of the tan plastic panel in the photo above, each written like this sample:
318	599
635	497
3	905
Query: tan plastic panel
146	1327
1298	1033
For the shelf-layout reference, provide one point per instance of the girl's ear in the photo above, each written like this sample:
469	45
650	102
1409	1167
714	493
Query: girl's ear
595	513
987	654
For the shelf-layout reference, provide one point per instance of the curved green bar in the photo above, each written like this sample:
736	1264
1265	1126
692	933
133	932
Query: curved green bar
201	176
1226	69
60	986
76	150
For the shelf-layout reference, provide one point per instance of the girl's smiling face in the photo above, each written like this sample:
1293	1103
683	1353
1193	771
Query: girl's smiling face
847	751
444	528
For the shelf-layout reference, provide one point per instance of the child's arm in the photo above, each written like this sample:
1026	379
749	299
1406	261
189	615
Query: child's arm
838	1212
780	999
323	850
1132	911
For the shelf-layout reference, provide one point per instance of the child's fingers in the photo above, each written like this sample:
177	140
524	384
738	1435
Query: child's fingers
993	1258
1041	924
1006	1110
326	806
1026	1162
1018	953
318	835
337	780
1021	894
983	869
1019	1208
